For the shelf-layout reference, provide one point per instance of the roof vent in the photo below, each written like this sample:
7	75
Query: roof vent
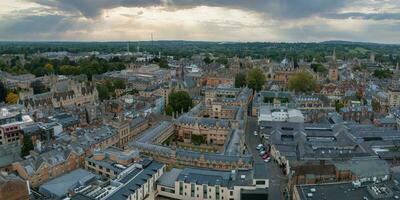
310	195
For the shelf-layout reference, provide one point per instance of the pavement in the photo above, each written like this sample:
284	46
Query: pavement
277	180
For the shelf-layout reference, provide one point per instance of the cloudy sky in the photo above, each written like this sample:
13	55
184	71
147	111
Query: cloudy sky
211	20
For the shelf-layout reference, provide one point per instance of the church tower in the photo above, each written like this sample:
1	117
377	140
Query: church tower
333	68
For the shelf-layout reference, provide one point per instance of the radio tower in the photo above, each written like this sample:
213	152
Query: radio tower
152	43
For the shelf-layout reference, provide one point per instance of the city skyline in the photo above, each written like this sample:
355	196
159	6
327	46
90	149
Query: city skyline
236	21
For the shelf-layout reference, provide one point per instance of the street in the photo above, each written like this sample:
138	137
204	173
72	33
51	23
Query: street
276	179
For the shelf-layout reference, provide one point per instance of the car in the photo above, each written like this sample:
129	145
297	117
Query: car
262	153
255	133
267	159
265	156
259	147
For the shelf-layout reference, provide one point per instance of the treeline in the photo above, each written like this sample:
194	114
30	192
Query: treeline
42	66
275	51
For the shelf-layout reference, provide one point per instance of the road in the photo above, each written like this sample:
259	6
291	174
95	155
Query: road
276	179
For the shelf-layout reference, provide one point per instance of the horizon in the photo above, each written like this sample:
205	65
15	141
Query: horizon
200	41
288	21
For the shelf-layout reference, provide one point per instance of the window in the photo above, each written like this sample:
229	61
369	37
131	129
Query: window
192	186
260	182
205	191
217	192
180	188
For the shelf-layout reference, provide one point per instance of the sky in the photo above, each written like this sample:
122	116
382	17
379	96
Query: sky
201	20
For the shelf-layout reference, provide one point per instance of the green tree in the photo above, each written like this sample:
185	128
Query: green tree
240	80
207	60
338	105
103	91
169	110
163	63
180	101
382	73
198	139
3	92
222	60
255	79
302	82
319	68
27	145
119	84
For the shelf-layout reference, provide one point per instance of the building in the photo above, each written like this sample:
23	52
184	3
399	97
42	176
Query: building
13	188
357	113
11	120
347	190
9	153
194	183
64	185
135	182
394	96
279	114
333	71
40	168
111	161
63	93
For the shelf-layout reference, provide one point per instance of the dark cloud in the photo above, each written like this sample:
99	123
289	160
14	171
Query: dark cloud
364	16
271	8
93	8
36	27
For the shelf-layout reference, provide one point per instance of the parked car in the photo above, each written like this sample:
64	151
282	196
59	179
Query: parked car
255	133
265	156
267	159
262	153
259	147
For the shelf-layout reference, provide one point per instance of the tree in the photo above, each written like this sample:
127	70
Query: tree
3	92
222	60
338	105
163	63
382	73
169	110
103	91
207	60
119	84
38	87
27	145
255	79
180	101
302	82
319	68
240	80
12	98
49	68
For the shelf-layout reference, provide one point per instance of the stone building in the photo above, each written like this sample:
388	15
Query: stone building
13	188
63	93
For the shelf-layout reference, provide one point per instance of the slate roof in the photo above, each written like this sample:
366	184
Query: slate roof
134	180
59	187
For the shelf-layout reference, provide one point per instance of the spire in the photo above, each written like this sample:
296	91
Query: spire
334	55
